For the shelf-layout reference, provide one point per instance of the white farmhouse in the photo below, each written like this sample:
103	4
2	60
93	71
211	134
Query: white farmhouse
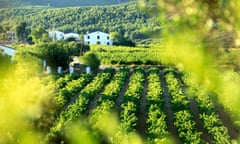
97	38
56	35
72	35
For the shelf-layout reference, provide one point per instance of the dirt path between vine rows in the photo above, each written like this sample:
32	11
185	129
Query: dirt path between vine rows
199	124
142	114
120	97
93	102
224	116
73	99
195	112
167	108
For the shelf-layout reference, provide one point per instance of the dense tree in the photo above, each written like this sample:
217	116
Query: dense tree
59	53
1	29
123	18
116	37
2	33
58	3
39	35
119	39
22	32
90	59
7	27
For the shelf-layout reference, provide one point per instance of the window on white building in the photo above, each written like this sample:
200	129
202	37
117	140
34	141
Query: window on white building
98	37
107	43
88	37
108	37
98	42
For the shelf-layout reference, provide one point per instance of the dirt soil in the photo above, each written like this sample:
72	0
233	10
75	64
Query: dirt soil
142	115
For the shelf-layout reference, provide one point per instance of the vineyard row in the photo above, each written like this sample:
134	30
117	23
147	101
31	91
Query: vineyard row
108	86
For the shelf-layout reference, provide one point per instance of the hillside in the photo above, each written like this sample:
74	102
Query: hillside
123	18
58	3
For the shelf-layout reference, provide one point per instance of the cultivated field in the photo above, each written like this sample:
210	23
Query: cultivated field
154	102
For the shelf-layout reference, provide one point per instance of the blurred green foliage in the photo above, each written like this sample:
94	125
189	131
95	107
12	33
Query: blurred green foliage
21	96
22	32
192	34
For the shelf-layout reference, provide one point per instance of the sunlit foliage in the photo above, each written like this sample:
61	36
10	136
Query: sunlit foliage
21	96
193	32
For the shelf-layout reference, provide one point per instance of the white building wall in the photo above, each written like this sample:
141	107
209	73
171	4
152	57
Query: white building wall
98	38
8	51
56	35
71	35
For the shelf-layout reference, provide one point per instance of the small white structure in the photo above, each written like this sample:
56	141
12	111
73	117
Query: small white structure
59	70
71	69
88	69
71	35
97	38
49	70
44	62
56	35
8	51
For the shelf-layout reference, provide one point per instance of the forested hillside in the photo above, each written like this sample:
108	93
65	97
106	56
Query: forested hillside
58	3
124	18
